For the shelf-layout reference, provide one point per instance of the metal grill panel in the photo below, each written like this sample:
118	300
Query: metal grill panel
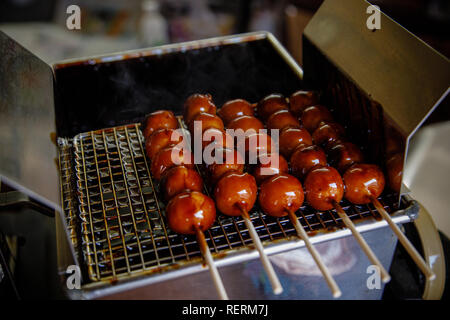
123	227
68	202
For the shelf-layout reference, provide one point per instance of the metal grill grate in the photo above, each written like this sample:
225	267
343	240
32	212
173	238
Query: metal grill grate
69	203
123	227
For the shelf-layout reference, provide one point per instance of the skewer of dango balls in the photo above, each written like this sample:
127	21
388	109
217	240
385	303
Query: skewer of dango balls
188	211
323	185
361	183
235	191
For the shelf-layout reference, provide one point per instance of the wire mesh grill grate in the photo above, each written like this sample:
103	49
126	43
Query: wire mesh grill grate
123	229
69	203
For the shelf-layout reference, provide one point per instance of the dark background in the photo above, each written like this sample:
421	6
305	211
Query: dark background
428	19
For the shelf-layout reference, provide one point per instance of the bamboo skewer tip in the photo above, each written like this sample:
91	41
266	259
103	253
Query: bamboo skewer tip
273	278
210	262
336	292
385	277
412	251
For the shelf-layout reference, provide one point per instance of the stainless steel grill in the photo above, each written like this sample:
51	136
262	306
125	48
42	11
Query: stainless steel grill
123	230
68	199
115	226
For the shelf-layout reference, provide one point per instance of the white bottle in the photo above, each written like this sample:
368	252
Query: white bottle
153	29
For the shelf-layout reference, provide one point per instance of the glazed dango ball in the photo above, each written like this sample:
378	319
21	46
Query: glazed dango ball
363	182
290	138
271	104
161	139
161	119
234	109
168	158
282	119
344	154
197	103
230	160
323	186
207	121
246	123
190	210
395	171
314	115
393	142
336	126
327	134
179	179
220	138
269	165
300	100
279	194
257	144
235	192
305	158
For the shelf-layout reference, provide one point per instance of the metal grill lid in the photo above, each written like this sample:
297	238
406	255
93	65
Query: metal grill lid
392	68
27	123
408	78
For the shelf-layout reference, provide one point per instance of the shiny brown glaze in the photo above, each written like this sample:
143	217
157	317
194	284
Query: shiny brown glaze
218	168
305	158
395	171
363	182
179	179
344	154
268	166
282	119
271	104
256	144
291	138
323	185
393	142
300	100
234	109
280	194
314	115
246	123
161	139
235	192
325	135
190	210
220	138
161	119
168	158
197	103
208	121
340	130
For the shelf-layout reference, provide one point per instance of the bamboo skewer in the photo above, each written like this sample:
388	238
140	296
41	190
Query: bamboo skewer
316	256
385	277
273	278
404	241
210	262
336	292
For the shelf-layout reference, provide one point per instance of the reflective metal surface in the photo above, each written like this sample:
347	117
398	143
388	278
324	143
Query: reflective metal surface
384	83
394	67
277	234
246	279
27	124
121	88
118	243
122	232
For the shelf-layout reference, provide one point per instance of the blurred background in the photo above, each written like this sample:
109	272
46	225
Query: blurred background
117	25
